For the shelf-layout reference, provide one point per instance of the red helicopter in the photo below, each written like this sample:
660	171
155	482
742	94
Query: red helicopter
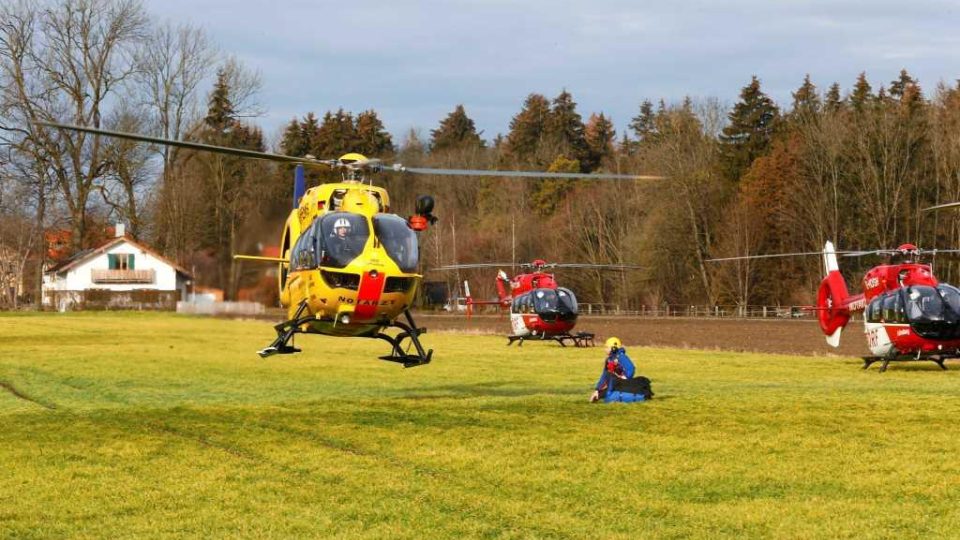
539	307
908	313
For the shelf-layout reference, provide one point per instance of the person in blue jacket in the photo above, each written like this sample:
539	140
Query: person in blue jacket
617	367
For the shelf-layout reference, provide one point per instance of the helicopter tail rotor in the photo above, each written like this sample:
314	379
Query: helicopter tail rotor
832	298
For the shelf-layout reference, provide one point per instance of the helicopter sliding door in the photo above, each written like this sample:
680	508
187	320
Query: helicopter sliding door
304	254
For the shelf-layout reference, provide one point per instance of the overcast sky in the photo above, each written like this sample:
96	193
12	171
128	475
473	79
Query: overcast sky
415	61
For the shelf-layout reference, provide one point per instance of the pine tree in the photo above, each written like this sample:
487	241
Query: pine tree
291	143
599	135
528	129
337	135
565	128
753	121
546	194
806	101
300	139
310	133
644	124
899	86
456	131
299	136
220	111
862	93
372	138
833	101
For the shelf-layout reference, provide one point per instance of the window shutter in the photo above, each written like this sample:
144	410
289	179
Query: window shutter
112	261
130	262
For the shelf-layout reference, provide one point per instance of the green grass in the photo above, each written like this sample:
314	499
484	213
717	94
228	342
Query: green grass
148	425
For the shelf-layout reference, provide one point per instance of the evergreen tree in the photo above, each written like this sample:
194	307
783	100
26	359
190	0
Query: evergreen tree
300	139
833	102
599	135
528	129
291	143
806	101
750	132
337	135
862	93
372	138
456	131
220	111
644	124
900	85
565	128
547	194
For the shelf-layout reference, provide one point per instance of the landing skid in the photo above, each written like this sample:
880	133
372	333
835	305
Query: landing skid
285	332
580	339
937	359
399	353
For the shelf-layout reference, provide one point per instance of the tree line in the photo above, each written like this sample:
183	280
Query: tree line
855	166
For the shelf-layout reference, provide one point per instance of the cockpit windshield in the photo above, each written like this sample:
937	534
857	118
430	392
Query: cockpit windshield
923	304
398	239
568	300
951	297
933	313
545	300
341	239
553	304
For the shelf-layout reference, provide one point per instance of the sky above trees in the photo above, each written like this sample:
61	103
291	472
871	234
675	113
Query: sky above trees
414	62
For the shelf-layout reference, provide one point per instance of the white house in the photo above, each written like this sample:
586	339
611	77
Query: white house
121	273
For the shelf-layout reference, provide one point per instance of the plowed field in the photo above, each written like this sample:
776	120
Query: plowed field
749	335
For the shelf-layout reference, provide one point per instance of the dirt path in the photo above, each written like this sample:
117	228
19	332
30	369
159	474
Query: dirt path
758	335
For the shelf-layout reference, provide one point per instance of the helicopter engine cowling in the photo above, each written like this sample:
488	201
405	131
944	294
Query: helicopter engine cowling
832	314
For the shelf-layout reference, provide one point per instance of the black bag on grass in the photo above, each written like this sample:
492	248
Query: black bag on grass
636	385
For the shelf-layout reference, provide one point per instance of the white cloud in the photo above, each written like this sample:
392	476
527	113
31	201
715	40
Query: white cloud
413	62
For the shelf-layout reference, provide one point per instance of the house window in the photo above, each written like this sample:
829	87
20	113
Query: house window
120	261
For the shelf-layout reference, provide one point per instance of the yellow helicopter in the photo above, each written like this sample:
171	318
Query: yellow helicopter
349	266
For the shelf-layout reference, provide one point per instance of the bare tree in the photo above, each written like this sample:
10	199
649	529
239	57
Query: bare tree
67	62
125	184
685	151
172	63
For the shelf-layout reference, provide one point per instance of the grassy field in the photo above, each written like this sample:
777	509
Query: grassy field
122	425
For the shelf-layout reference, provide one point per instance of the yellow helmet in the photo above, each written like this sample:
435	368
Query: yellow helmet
614	343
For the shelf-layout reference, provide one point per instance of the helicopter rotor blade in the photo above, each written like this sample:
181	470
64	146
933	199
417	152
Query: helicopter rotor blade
548	265
521	174
372	164
449	267
239	152
847	253
601	266
942	206
798	254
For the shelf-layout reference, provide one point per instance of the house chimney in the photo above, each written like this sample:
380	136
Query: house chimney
120	230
